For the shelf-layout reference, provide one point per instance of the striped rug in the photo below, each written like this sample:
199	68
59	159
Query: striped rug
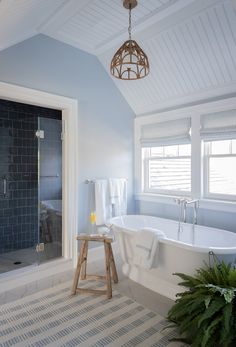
53	318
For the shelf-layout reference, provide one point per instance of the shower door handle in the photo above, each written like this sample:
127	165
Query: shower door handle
4	187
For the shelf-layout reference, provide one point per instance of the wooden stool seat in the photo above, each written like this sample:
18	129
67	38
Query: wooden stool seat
80	272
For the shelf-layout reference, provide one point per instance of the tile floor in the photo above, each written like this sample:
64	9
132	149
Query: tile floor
28	256
155	302
144	296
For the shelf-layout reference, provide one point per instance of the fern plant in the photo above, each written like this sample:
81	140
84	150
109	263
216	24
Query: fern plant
205	314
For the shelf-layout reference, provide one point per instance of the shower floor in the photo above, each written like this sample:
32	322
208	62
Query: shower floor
28	256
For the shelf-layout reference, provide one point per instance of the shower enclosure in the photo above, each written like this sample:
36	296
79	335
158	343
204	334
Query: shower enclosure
30	185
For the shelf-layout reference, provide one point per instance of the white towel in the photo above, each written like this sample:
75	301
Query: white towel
102	202
118	195
147	247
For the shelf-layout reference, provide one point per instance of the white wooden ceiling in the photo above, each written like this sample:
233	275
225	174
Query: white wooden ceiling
20	19
191	44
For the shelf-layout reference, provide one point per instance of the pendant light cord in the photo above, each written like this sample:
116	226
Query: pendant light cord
129	29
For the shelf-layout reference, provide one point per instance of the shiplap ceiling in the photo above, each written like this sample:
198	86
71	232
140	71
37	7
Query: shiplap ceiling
191	44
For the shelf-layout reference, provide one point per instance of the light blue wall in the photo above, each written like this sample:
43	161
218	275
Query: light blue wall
106	120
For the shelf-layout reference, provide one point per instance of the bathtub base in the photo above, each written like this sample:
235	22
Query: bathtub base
146	279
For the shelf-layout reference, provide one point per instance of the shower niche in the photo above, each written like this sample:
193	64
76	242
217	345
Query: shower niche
30	185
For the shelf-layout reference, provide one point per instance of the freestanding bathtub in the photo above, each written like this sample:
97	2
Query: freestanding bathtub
178	252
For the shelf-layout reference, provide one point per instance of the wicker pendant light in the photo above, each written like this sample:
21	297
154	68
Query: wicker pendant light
129	62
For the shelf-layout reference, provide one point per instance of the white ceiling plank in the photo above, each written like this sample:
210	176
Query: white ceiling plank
107	14
193	36
62	15
191	46
154	18
143	10
185	52
86	22
164	69
215	46
174	70
19	19
181	61
208	49
223	40
230	27
165	73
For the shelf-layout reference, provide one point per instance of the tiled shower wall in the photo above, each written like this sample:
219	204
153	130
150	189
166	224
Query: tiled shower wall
19	166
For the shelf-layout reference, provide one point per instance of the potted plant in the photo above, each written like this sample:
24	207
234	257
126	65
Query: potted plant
205	314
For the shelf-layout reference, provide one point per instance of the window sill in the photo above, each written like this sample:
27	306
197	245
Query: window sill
208	204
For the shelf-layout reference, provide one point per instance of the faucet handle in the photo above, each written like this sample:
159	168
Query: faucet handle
193	201
179	200
176	200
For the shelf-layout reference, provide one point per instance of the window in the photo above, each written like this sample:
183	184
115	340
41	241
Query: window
167	169
218	132
192	156
220	168
166	157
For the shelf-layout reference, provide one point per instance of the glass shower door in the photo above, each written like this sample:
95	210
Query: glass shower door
50	188
18	188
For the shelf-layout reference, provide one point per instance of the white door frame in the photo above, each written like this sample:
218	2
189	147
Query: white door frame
69	108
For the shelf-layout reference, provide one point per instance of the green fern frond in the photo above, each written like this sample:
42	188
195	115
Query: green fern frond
210	330
189	281
232	278
205	314
214	307
227	315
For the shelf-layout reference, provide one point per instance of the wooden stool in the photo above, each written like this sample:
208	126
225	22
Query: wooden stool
82	264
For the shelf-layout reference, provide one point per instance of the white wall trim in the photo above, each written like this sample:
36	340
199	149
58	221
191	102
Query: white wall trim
69	109
194	112
206	204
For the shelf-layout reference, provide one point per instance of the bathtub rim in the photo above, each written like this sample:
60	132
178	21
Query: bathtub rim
180	244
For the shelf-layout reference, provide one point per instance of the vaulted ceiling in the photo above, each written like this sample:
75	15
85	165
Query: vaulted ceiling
191	44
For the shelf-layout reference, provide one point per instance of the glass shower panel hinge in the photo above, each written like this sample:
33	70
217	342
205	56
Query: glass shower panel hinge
40	134
63	130
40	247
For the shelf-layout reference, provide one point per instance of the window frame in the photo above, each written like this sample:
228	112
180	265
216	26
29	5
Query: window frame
221	203
206	184
145	177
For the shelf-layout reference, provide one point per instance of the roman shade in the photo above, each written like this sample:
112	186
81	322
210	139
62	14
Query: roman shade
218	126
166	133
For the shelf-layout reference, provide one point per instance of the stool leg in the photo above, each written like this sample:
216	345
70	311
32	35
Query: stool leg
77	272
84	265
113	265
108	270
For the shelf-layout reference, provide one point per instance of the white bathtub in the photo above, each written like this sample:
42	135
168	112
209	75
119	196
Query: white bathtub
174	255
55	205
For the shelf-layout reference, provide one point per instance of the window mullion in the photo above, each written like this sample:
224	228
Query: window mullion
196	159
207	153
